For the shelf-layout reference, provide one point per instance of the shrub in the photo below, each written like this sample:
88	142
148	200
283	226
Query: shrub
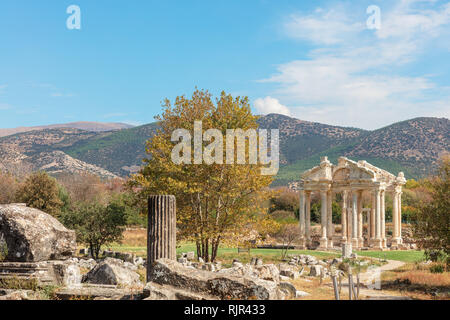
437	268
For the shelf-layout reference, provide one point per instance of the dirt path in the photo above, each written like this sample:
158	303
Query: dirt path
377	294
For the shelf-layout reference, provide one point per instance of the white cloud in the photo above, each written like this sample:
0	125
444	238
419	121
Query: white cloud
270	105
351	80
322	27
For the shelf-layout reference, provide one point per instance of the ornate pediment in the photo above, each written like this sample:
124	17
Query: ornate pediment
349	172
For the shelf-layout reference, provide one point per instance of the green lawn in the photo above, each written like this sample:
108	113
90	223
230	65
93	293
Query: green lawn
274	255
405	256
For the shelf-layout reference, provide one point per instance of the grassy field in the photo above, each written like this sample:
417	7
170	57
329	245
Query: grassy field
405	256
135	241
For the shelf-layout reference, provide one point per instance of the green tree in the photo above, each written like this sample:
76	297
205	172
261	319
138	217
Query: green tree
96	224
41	191
432	221
214	202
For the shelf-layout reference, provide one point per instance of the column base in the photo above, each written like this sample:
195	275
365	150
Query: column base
377	244
302	244
323	244
396	241
355	243
330	243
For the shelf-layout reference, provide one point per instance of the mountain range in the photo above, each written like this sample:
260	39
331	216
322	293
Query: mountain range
111	150
82	125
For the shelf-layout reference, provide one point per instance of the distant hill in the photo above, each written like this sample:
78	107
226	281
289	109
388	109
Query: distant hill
412	146
41	150
82	125
120	152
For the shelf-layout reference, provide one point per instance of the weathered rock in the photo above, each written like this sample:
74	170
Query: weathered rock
288	288
16	295
112	272
154	291
268	272
125	256
216	284
67	274
301	294
87	263
288	270
315	270
32	235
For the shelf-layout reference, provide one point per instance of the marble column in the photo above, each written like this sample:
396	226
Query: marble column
355	220
383	220
400	217
373	214
162	230
349	217
344	216
377	242
308	217
360	220
323	219
330	228
302	216
395	236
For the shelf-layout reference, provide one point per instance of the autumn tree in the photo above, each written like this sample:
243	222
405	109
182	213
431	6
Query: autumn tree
83	187
214	201
8	188
40	191
432	220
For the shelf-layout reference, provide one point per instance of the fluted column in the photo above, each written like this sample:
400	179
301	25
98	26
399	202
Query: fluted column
161	240
400	217
360	221
308	217
378	219
383	220
349	217
395	237
355	220
302	215
344	216
373	219
323	219
330	228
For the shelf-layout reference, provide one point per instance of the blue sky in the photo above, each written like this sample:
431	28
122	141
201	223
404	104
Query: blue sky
314	60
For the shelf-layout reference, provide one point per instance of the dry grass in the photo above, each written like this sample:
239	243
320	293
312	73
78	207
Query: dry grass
418	282
316	290
135	237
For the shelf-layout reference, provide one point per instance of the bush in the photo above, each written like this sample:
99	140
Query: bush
436	256
437	268
96	224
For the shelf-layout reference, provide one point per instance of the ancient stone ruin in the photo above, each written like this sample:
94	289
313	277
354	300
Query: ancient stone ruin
351	179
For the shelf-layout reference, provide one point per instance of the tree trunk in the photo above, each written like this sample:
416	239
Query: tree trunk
215	247
199	248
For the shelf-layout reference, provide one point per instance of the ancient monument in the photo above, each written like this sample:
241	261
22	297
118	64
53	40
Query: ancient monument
352	180
161	240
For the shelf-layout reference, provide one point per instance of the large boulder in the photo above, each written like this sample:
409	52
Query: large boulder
32	235
113	272
216	284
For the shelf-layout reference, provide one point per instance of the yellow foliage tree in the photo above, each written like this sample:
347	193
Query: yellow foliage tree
214	202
